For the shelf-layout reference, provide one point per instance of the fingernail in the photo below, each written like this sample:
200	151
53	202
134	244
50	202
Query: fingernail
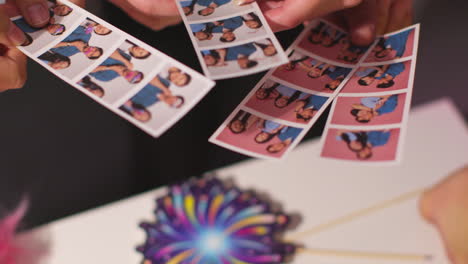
38	15
15	35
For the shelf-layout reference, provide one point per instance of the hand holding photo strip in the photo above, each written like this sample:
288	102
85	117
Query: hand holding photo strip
368	120
231	38
323	65
127	76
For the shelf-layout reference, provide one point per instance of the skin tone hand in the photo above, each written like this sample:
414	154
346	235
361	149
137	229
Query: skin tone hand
363	18
446	206
12	61
156	14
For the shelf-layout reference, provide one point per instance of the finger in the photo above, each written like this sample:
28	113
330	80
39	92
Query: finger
383	7
10	9
80	3
362	22
153	21
36	12
12	69
289	13
401	15
10	34
243	2
12	61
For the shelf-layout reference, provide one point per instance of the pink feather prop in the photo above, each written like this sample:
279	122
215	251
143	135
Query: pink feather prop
9	252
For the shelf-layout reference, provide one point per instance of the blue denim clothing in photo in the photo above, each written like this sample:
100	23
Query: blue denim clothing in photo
394	70
285	91
67	51
198	27
188	3
351	136
107	75
316	102
339	72
398	42
378	138
209	2
148	96
233	23
79	33
164	81
233	53
289	133
25	27
389	106
270	126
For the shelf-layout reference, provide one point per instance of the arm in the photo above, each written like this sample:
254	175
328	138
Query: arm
301	104
116	55
116	68
361	107
156	82
222	56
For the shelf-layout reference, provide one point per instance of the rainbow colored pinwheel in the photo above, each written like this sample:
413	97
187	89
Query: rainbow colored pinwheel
204	222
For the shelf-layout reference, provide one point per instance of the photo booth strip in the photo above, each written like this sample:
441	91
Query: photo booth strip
228	33
384	107
322	56
151	65
305	88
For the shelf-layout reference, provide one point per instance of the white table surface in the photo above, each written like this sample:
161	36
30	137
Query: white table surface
319	190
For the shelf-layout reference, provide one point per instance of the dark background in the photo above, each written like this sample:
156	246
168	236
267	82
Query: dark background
69	154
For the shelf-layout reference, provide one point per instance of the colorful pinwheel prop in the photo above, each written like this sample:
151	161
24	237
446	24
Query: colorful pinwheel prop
205	222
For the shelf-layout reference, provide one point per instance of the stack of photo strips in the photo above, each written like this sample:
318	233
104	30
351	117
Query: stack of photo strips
371	88
231	40
132	79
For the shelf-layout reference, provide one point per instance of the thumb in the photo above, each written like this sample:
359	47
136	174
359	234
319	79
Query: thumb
12	61
287	14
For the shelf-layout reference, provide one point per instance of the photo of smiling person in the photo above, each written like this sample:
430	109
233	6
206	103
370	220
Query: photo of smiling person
203	9
242	59
165	99
328	42
61	19
287	135
92	87
392	47
252	135
224	27
308	106
311	73
154	92
55	60
83	47
368	111
384	75
235	29
371	107
362	145
281	102
59	9
122	71
379	78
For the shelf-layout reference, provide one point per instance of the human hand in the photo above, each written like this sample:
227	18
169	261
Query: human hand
363	18
446	206
12	61
155	14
